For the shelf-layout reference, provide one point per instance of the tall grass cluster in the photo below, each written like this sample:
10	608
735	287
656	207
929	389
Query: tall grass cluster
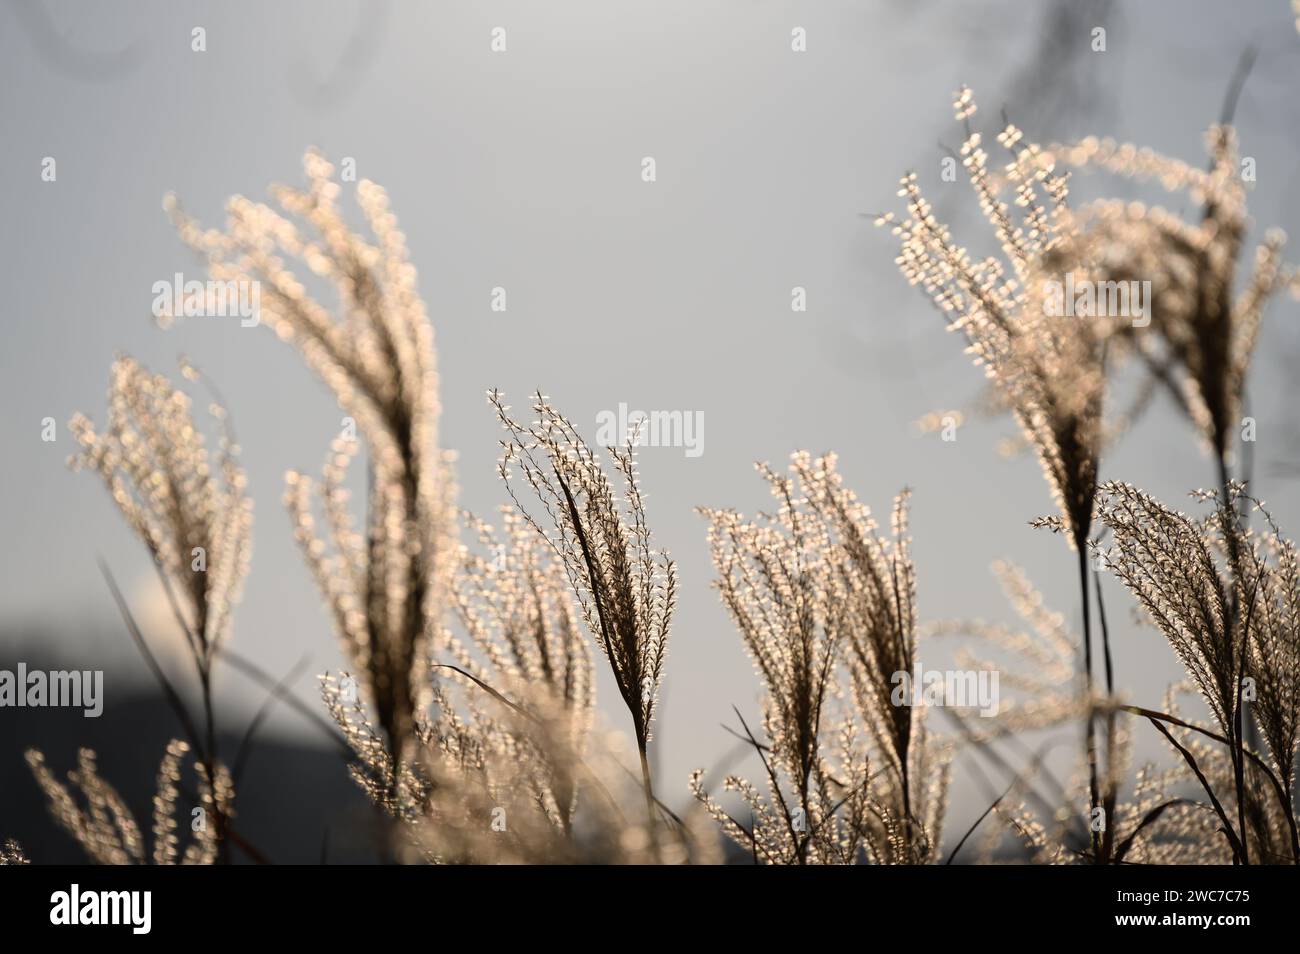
466	709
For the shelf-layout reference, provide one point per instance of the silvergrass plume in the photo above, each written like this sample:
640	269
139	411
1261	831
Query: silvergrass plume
1228	601
193	517
1203	330
1049	371
626	590
1040	663
822	600
387	588
105	828
508	768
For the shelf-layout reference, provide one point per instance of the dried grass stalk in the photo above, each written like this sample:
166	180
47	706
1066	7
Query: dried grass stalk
386	589
816	592
1228	601
105	828
626	590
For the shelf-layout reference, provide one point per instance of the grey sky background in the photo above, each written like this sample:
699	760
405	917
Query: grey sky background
522	170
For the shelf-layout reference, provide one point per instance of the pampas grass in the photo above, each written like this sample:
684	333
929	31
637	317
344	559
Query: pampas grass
626	590
1206	316
1050	372
196	526
386	588
105	828
1229	611
826	608
474	731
